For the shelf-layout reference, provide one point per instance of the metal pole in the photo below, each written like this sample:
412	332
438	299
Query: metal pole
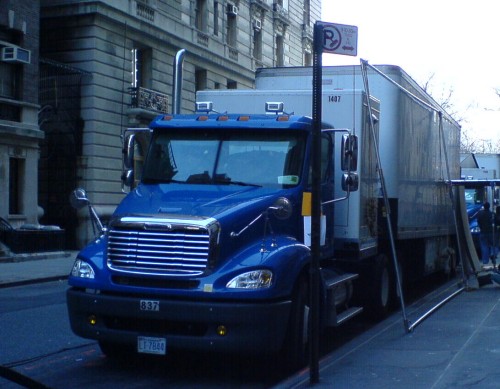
314	269
406	322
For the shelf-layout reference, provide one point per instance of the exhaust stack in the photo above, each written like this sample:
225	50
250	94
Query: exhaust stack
177	88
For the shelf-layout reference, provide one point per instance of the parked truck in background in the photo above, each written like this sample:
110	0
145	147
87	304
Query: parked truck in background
210	250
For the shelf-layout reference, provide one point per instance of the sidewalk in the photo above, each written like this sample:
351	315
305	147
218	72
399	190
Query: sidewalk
21	269
458	346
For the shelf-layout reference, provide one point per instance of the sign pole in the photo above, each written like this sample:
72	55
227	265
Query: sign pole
314	269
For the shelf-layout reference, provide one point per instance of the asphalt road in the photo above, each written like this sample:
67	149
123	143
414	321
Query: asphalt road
37	342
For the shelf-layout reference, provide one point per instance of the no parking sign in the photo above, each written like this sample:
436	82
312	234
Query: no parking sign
340	39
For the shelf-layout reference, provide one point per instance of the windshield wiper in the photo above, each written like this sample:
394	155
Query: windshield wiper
240	183
161	181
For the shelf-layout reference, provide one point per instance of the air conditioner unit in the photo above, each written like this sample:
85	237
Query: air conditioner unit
232	10
16	54
257	25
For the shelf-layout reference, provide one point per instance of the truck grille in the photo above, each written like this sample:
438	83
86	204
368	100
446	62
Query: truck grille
160	247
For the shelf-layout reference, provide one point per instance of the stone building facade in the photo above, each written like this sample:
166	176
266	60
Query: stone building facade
20	133
125	51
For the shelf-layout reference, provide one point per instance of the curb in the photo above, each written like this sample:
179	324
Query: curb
13	284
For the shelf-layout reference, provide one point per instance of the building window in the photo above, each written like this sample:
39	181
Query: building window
307	59
232	84
257	43
307	12
231	29
141	68
282	3
216	18
200	79
9	80
16	185
279	51
201	15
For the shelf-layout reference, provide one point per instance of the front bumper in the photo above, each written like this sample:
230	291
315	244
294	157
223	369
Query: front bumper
255	328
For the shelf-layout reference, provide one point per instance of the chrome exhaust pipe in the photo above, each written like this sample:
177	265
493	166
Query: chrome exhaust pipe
177	84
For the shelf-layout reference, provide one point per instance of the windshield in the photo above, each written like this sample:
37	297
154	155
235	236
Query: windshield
260	159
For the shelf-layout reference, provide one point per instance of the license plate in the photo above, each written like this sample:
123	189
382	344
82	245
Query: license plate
149	305
149	345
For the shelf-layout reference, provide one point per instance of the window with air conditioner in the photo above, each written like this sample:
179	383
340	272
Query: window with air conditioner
15	54
232	10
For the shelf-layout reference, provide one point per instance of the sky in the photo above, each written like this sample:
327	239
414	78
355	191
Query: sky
452	43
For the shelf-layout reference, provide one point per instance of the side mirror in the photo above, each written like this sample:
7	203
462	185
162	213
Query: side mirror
349	156
282	208
79	199
350	182
128	151
128	175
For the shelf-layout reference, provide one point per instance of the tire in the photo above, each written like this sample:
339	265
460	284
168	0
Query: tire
381	288
297	346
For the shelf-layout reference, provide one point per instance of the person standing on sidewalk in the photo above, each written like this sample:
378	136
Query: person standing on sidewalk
485	223
496	226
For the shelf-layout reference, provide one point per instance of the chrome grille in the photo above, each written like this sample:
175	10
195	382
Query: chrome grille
145	248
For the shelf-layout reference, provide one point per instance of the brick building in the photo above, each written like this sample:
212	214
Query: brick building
20	133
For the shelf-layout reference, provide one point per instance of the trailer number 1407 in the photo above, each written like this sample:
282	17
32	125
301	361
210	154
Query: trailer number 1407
334	99
149	305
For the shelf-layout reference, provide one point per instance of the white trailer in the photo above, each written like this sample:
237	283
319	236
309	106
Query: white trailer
419	151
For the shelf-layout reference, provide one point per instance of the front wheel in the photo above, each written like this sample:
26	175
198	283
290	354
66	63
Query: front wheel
297	345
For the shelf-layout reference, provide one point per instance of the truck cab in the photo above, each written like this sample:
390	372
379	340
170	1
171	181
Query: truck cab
210	250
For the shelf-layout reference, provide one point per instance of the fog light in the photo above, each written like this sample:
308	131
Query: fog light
92	320
221	330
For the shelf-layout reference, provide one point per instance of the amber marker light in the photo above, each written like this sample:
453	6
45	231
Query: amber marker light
166	118
92	319
221	330
282	118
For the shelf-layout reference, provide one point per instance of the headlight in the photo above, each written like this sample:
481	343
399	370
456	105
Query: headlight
82	269
475	230
256	279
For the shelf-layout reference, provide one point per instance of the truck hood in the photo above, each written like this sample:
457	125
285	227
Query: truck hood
216	201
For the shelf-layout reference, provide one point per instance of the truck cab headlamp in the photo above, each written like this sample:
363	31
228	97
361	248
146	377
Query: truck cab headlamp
256	279
82	269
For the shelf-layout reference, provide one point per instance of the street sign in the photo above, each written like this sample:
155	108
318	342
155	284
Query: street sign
340	39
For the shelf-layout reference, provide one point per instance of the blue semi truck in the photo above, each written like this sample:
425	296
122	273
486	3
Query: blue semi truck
210	250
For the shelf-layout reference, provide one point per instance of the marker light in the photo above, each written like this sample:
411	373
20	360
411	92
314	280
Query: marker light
166	118
223	118
245	118
221	330
202	118
92	319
